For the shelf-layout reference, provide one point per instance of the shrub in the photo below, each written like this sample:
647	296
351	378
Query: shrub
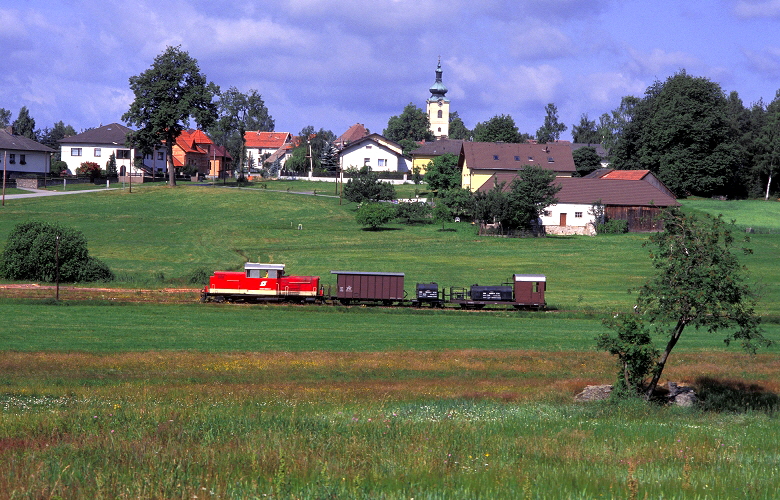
89	168
613	226
413	212
374	215
31	254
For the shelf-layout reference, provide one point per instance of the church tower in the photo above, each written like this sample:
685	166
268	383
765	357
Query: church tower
439	107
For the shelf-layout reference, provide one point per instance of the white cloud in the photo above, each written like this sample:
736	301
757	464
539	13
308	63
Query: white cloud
541	42
766	62
659	61
757	8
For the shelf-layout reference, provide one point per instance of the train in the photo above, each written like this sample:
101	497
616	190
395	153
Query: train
268	283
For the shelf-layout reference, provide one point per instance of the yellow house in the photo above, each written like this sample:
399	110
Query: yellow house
480	161
430	150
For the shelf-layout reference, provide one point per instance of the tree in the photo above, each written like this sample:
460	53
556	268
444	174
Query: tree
366	186
698	282
239	112
5	117
442	173
24	124
111	166
411	127
458	129
167	95
552	128
51	136
681	132
33	253
500	128
530	193
767	144
612	125
309	143
586	132
586	160
375	215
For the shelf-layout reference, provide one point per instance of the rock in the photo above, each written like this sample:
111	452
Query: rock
594	393
681	395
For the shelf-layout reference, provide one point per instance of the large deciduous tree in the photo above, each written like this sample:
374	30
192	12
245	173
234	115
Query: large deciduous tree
586	160
458	129
500	128
239	112
442	173
552	129
698	282
766	145
680	131
5	117
409	128
586	132
167	95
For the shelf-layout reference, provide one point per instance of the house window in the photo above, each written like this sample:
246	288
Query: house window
578	215
530	158
366	161
97	152
22	159
550	159
547	213
381	162
160	155
517	158
122	154
439	114
75	151
12	158
495	157
369	147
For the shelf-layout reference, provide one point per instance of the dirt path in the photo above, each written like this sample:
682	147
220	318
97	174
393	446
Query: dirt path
37	291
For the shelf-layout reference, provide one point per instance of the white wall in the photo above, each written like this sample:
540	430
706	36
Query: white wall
89	152
374	152
571	210
35	162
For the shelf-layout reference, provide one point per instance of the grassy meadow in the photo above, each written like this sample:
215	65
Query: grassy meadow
116	398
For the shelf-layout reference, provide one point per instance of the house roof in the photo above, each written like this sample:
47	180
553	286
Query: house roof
517	156
113	134
353	133
585	191
12	142
266	140
378	139
626	175
439	147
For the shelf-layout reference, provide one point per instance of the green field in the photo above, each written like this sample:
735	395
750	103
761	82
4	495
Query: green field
108	398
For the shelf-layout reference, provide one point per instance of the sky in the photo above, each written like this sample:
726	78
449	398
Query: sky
334	63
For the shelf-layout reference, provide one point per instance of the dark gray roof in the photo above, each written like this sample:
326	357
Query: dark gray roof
107	134
11	142
439	147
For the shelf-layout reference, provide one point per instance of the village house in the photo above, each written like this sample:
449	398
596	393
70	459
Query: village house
20	156
262	145
193	148
98	144
377	152
423	155
353	133
482	161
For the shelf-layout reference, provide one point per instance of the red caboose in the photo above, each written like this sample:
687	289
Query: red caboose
261	282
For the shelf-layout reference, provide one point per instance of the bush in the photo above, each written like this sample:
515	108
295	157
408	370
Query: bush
413	212
374	215
31	254
613	226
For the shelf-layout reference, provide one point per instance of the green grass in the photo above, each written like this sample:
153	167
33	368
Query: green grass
760	215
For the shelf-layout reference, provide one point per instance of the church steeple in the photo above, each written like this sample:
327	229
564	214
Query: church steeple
438	90
439	107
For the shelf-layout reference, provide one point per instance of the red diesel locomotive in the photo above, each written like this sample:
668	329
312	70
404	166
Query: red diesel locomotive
262	282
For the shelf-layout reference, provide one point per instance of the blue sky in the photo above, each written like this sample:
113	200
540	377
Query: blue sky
333	63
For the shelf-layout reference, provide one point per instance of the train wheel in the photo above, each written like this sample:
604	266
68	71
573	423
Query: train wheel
219	299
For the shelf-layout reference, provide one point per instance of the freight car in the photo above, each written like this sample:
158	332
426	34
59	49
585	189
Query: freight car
262	283
526	292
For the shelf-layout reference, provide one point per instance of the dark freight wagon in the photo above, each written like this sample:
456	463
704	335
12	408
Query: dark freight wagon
357	286
525	291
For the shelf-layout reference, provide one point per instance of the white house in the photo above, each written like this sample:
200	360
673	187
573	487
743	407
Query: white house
377	152
97	145
20	155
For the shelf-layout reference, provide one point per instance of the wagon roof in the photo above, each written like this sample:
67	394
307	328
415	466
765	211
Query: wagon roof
367	273
530	277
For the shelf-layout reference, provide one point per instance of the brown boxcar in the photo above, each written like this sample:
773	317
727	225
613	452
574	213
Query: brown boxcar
529	290
369	286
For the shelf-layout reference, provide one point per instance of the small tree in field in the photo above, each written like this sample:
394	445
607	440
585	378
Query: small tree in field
699	282
33	252
374	215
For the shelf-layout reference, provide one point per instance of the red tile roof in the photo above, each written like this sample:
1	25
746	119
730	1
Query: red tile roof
627	175
266	140
353	133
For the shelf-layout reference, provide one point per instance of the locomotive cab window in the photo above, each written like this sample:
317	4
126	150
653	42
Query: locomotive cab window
262	273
